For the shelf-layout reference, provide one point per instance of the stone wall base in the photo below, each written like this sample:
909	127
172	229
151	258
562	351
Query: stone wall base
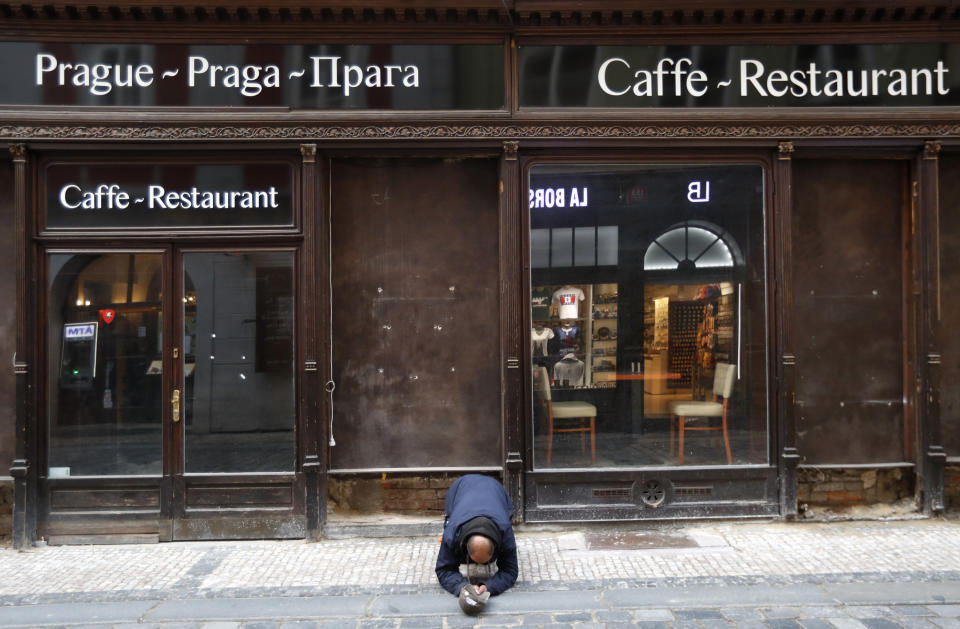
423	494
6	510
390	493
951	486
852	487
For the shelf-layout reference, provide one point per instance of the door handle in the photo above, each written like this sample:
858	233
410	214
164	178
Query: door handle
175	402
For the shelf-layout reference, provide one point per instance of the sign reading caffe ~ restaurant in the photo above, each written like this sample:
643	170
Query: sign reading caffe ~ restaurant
92	195
739	76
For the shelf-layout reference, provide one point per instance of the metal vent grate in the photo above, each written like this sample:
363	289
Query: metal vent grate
608	492
693	490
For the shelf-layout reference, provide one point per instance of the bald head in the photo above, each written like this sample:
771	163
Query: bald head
479	548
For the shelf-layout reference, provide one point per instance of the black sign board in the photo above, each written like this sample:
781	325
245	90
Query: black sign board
143	195
380	76
564	194
895	75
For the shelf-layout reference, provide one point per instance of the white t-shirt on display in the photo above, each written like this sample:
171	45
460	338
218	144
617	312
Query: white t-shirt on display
569	298
540	340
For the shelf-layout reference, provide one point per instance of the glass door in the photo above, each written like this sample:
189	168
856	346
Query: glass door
171	395
233	404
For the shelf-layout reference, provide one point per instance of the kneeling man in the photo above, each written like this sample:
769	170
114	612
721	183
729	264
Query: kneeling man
477	533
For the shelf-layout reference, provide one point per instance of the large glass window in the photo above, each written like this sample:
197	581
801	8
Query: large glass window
648	337
104	342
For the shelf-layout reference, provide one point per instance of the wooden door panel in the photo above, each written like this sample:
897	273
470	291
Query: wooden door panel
415	313
848	288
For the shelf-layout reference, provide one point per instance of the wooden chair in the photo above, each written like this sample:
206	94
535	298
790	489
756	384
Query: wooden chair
682	412
565	417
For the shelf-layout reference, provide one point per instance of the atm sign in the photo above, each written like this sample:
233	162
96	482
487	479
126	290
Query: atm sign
79	331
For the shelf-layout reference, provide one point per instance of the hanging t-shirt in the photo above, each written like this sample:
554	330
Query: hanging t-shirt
567	337
540	341
569	298
540	302
569	372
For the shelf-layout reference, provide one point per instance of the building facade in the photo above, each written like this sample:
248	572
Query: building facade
640	261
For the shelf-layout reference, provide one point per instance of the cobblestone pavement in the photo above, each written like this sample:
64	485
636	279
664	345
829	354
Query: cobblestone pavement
743	575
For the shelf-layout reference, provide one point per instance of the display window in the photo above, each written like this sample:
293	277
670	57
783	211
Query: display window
648	317
107	338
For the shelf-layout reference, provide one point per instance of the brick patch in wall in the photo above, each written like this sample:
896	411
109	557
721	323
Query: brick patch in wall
850	487
408	495
951	486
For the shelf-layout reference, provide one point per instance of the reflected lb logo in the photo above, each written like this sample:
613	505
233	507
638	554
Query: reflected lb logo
107	316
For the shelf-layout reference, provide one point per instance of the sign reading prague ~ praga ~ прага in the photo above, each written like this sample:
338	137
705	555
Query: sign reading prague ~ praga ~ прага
889	75
346	76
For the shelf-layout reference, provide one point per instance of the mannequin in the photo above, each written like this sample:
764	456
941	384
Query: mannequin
569	371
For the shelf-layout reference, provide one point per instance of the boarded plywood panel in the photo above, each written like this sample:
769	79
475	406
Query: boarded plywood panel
848	298
415	313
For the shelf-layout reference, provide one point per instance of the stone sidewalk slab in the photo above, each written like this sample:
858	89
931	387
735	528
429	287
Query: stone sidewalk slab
72	614
905	593
416	605
553	601
290	608
718	596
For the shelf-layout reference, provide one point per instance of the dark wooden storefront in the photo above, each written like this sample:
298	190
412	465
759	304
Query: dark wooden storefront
403	365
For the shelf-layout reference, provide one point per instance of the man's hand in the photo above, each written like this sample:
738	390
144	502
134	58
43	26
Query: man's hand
481	588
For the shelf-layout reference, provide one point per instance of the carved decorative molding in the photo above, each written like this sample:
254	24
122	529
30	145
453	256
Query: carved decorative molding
786	149
309	153
931	150
19	152
533	130
529	14
510	150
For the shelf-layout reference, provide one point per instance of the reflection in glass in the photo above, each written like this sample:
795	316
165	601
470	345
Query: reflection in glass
690	246
607	245
238	346
659	319
104	344
715	255
539	248
561	251
584	246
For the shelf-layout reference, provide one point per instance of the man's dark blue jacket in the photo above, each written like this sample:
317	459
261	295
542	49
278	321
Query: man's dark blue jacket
471	496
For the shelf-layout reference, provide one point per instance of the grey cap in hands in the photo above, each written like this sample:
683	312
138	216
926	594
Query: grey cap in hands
471	601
